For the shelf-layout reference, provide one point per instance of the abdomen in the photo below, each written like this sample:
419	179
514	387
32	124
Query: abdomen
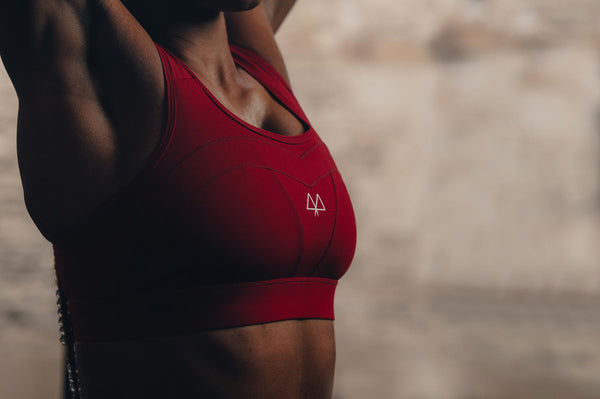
293	359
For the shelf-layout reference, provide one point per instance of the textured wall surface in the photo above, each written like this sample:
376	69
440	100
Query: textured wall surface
468	135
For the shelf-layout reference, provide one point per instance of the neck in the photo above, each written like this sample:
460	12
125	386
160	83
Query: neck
203	47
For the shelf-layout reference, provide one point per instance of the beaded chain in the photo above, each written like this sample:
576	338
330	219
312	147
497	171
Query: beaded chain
66	338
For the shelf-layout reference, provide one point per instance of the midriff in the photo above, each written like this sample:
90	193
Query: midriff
292	359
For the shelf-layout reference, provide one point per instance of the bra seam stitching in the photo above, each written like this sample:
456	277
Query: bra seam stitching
298	219
332	230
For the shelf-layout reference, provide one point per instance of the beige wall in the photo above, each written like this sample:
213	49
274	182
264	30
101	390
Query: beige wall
468	133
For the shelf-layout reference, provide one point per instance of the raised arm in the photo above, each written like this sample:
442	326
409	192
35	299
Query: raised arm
37	34
71	41
255	30
90	84
277	11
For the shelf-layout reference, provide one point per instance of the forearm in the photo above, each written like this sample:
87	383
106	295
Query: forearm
277	11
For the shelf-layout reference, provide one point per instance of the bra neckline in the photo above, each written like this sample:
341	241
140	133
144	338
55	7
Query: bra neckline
296	139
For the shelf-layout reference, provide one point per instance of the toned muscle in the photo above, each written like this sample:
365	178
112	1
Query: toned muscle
291	359
91	93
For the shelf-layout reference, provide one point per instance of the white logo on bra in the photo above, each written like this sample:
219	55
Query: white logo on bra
315	204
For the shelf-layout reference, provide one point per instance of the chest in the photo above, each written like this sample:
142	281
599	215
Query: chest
253	104
259	205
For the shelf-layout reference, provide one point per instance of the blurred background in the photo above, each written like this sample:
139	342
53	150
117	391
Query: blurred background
468	134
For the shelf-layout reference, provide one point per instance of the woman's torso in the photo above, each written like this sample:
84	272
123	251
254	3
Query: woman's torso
113	122
224	202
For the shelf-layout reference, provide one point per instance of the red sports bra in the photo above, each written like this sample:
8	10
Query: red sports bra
228	225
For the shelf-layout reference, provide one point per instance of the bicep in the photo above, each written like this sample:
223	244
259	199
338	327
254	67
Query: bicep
253	31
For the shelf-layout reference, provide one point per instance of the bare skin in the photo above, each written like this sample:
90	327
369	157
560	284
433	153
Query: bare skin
291	359
91	111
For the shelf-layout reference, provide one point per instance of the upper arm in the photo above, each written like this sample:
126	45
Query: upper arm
91	99
277	11
76	47
66	53
39	37
255	30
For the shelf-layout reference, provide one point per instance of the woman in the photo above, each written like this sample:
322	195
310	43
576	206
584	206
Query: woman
199	223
